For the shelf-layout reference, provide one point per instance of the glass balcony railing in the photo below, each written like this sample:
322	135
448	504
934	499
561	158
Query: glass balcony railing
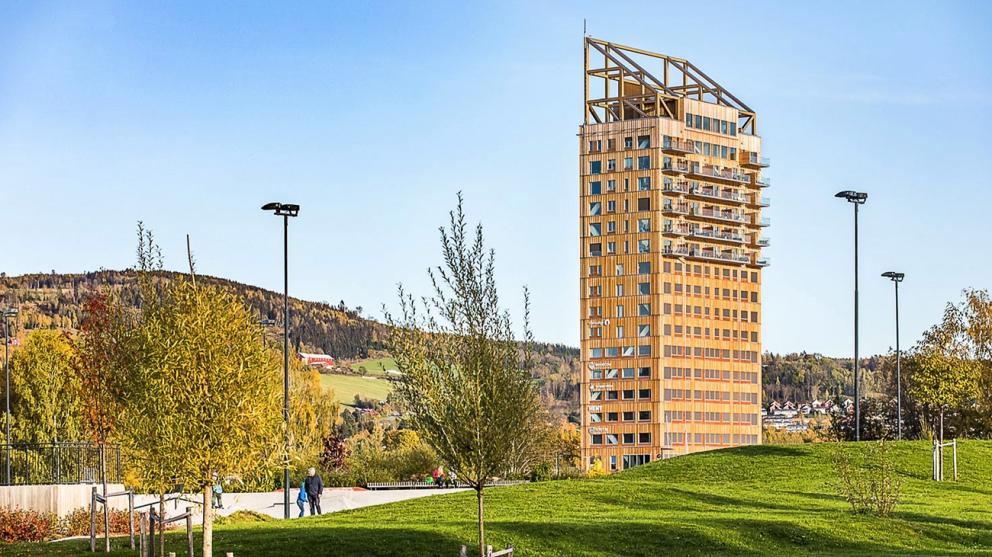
676	187
709	254
764	202
717	173
763	261
753	160
676	145
765	221
681	209
717	214
717	193
763	182
680	167
763	241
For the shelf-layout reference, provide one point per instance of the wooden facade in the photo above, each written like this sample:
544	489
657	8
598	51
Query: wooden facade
671	236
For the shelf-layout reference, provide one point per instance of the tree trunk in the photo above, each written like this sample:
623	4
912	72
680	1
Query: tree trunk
161	526
482	528
208	521
106	503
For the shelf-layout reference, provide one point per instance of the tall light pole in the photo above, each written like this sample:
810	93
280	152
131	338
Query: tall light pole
285	210
856	198
7	314
896	278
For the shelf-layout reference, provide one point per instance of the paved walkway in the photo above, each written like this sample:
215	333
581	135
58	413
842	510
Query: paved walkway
333	500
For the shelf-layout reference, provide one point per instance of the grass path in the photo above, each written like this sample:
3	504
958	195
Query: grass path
764	500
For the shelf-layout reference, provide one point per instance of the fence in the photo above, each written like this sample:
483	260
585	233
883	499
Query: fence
57	463
938	459
426	485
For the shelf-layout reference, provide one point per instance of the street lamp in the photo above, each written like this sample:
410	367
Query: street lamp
7	314
856	198
265	323
285	210
896	278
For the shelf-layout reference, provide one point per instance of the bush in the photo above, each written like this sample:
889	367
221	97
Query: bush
870	483
242	517
77	523
20	525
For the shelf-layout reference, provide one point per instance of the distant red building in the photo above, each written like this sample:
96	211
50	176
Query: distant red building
316	360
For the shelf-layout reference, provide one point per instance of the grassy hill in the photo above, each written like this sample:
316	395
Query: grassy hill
347	386
763	500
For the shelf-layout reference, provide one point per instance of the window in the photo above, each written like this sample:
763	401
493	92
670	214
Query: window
611	416
611	439
643	204
611	144
611	395
733	129
644	393
645	309
643	183
595	332
619	269
595	167
628	416
644	372
620	310
611	164
595	229
611	185
643	288
611	227
706	123
643	163
595	250
611	247
596	395
619	331
628	394
699	121
628	373
644	415
644	246
644	437
644	350
594	188
644	330
688	120
628	163
595	208
597	438
595	352
644	267
644	225
595	270
611	207
628	143
628	438
644	142
620	290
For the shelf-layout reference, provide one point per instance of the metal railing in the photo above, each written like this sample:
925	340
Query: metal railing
57	463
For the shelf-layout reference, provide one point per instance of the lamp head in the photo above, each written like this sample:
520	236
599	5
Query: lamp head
282	209
894	276
10	312
853	196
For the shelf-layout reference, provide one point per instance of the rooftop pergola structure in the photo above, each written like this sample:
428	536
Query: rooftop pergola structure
636	83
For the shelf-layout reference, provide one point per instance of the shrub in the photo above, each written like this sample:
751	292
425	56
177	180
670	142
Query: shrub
869	483
242	517
77	522
20	525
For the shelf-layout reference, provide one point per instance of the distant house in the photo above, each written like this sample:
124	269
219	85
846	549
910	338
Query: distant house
316	360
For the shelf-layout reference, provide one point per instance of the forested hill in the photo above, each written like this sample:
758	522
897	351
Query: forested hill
56	301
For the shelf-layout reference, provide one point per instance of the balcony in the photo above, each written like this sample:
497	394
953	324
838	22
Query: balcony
714	235
675	208
676	187
764	202
711	172
763	182
707	254
764	222
716	214
763	261
763	242
718	194
676	145
752	160
676	167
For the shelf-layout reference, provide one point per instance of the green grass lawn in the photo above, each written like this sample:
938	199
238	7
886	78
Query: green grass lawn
375	366
347	386
763	500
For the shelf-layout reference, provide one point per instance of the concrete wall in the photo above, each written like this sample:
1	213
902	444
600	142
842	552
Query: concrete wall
58	499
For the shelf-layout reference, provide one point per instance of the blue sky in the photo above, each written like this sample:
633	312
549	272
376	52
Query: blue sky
372	116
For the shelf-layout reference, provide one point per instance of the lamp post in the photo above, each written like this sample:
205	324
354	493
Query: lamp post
855	198
7	314
896	278
265	323
285	210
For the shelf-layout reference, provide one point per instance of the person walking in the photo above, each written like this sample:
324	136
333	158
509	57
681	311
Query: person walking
217	490
301	498
314	488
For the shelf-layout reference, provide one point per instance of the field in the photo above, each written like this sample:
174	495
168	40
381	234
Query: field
375	366
347	386
764	500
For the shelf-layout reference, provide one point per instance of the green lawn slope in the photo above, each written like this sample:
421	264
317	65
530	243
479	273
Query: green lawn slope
763	500
347	386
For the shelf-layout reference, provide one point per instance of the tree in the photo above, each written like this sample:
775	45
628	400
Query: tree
203	394
463	382
944	373
102	354
44	395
